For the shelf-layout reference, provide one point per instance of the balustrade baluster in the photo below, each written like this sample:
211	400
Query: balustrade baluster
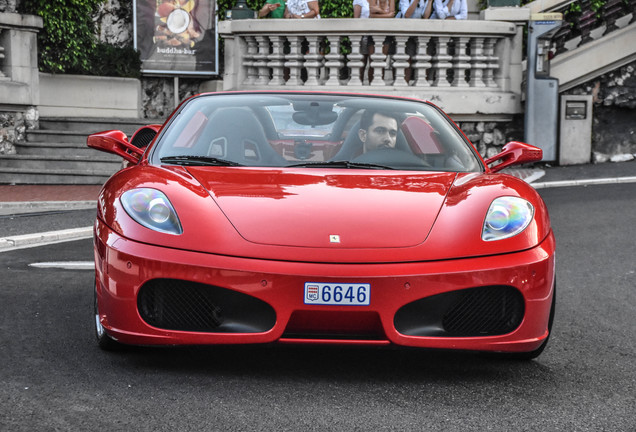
422	61
276	60
493	62
295	60
586	22
442	61
261	60
313	60
378	62
2	75
400	61
610	12
479	62
631	7
562	35
461	62
334	61
355	62
251	72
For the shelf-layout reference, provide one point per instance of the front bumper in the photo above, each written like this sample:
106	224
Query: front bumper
124	267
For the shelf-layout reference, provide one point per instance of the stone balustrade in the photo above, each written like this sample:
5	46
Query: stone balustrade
471	69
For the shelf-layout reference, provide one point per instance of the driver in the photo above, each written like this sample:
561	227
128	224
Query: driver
378	130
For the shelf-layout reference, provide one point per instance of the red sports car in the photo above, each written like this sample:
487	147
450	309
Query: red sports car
322	218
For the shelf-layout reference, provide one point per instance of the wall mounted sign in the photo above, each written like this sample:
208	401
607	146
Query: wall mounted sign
176	37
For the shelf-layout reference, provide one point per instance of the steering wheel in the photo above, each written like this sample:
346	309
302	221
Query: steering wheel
391	157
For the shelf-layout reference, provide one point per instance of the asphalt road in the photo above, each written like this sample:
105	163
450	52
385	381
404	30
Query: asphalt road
54	377
30	223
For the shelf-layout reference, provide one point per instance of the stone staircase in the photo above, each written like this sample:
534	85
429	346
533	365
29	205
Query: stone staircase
57	152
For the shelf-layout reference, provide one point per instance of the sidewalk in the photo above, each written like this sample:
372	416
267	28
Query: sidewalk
20	199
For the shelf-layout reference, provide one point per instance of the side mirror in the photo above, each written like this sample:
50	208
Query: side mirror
515	153
115	142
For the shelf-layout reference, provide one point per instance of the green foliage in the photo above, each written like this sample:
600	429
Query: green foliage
67	42
109	60
336	8
68	34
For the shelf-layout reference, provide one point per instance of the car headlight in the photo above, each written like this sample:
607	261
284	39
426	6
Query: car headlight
507	217
152	209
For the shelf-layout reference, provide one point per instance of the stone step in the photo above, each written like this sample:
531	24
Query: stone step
62	149
37	176
57	152
56	136
64	163
68	132
92	125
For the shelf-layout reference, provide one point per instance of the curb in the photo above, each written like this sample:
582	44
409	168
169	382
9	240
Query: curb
586	182
39	239
21	207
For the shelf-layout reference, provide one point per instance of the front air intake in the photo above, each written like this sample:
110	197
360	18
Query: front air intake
173	304
481	311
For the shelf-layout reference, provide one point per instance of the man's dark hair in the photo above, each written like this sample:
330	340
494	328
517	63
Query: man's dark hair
367	117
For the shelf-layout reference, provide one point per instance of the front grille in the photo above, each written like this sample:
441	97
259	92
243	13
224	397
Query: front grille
485	311
174	304
481	311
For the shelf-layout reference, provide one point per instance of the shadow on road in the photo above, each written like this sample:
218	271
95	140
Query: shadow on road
341	363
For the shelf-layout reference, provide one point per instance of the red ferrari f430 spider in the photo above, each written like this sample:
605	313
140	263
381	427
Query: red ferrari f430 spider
322	218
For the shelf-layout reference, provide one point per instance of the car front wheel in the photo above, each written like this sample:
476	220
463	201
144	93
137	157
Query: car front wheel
104	341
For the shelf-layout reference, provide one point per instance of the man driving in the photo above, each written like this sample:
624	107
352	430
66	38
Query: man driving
378	130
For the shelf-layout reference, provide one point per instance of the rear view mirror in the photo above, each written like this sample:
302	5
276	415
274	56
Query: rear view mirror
514	153
115	142
314	114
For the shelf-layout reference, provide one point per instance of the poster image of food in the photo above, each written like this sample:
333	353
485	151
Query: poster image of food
176	37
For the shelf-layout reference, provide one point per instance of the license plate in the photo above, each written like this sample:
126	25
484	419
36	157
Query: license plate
343	294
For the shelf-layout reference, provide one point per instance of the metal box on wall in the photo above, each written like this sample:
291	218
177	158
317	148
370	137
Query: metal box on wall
575	131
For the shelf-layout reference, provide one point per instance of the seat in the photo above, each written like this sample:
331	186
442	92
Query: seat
236	134
352	146
421	136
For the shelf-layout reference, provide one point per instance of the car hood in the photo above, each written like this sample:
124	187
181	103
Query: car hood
329	208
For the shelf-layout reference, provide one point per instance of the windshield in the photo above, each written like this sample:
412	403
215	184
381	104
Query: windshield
313	130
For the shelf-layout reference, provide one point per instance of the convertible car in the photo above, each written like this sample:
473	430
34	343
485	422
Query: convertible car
319	218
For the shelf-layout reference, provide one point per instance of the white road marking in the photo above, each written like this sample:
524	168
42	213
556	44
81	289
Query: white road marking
66	265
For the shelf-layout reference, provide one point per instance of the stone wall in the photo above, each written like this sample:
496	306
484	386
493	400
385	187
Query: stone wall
115	22
13	127
614	124
490	137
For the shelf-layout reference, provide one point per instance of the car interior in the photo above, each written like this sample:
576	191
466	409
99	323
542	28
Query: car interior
277	131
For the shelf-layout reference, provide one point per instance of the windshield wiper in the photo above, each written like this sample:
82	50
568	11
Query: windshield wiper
339	164
198	160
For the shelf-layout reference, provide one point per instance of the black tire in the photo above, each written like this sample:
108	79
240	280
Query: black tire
104	341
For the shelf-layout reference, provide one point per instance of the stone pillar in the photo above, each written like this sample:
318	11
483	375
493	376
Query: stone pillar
19	78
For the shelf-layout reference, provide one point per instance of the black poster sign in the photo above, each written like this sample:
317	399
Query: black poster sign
176	37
